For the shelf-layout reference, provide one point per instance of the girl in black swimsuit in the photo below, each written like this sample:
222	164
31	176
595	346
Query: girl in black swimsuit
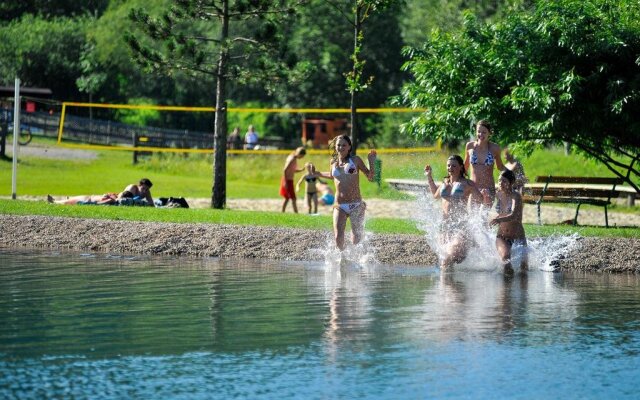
509	221
310	180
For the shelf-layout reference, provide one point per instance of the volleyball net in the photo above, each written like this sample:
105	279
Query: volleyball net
152	128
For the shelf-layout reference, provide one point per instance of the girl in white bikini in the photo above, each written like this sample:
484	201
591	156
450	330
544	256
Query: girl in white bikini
480	157
344	172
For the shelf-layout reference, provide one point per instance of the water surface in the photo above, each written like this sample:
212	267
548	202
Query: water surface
99	326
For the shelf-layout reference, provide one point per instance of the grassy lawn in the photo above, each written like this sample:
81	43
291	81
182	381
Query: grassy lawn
248	176
290	220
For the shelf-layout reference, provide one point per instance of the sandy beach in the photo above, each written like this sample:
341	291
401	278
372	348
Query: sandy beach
228	241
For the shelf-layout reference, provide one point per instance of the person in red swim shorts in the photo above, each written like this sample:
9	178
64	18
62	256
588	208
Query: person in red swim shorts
287	187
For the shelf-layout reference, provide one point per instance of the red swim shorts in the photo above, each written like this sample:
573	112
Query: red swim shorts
286	189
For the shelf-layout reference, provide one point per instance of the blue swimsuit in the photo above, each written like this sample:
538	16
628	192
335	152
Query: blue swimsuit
487	161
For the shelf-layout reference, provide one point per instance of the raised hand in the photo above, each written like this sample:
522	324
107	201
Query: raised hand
427	170
372	156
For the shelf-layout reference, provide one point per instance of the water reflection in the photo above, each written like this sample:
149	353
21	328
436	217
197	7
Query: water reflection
144	327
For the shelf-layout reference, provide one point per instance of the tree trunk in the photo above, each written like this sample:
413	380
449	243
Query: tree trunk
354	115
219	189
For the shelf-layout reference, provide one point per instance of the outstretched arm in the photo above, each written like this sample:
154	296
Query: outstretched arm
299	182
325	175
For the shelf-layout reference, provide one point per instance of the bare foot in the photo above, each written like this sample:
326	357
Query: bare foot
50	199
508	270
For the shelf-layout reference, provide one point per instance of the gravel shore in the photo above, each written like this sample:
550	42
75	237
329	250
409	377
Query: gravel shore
227	241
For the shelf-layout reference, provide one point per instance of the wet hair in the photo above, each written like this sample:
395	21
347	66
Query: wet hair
485	123
332	146
146	182
507	173
460	161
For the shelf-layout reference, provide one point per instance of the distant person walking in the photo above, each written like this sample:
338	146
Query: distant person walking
251	138
287	188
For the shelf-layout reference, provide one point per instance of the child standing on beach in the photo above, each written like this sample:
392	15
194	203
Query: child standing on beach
287	190
311	190
344	169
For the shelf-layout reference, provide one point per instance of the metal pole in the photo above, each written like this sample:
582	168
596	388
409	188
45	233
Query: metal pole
16	133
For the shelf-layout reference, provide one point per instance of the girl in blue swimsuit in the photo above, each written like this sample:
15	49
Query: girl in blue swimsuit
455	192
345	169
480	157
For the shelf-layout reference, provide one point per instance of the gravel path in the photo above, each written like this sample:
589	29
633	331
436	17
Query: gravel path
227	241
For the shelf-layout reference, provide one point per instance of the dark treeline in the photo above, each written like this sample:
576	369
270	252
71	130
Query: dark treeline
77	49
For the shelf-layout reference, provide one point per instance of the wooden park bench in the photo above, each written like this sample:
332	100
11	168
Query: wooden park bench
597	191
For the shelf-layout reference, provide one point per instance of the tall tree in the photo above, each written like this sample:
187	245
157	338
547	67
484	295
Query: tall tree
228	39
356	80
567	71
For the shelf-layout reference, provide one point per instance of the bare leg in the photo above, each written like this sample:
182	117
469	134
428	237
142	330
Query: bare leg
455	252
315	202
309	199
295	206
284	204
504	251
357	223
339	224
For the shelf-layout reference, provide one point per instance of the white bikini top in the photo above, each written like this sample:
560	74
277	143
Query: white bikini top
349	169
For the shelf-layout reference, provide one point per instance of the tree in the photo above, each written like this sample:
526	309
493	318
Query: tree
43	53
566	71
356	80
228	39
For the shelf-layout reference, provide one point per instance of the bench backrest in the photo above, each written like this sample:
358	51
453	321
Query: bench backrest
571	192
580	179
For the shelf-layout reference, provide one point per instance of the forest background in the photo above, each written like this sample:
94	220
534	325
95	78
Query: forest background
78	50
546	72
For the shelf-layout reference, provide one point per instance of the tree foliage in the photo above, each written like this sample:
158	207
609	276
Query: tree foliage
43	53
226	39
566	71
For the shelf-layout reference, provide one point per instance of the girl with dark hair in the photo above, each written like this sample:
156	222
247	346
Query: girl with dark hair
344	169
509	221
455	191
480	157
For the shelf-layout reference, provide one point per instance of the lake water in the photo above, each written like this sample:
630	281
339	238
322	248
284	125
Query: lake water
78	326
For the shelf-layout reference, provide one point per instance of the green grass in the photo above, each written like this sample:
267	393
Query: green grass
248	176
259	218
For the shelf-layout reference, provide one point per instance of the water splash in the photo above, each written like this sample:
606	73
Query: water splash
362	254
544	252
482	255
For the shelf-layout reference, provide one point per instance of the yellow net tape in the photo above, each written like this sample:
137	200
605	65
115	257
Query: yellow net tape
231	109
